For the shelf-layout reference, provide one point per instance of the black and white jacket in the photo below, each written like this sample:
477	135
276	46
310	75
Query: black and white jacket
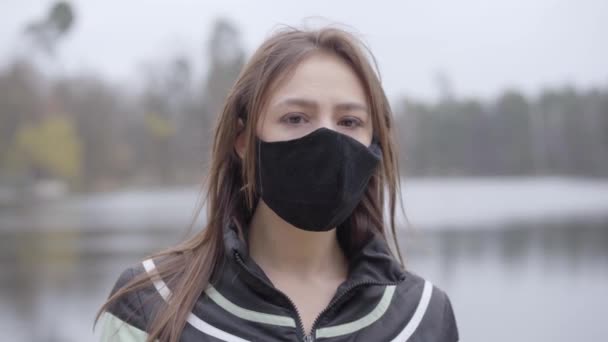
378	302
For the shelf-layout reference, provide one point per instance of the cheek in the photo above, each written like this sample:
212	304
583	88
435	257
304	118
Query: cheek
363	136
270	130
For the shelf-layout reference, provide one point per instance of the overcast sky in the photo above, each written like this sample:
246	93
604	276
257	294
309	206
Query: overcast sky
483	46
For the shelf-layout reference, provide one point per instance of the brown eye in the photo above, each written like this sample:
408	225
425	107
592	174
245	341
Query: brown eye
293	119
350	122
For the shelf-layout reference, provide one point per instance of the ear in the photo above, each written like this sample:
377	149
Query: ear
239	143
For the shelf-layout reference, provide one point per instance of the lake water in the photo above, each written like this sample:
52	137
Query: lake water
535	279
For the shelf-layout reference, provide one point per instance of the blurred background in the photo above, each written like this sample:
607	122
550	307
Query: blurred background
501	108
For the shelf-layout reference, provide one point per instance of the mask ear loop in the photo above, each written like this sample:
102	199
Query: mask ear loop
375	146
258	154
375	141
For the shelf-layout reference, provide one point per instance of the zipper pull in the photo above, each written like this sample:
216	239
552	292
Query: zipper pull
308	338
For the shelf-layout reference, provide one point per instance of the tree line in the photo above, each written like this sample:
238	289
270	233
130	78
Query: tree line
561	131
94	134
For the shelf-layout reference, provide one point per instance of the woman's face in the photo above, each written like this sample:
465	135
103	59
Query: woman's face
323	91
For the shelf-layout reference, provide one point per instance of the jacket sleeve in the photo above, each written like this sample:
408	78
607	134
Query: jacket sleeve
124	320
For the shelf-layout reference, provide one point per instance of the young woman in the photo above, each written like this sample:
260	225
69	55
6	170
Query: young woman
295	247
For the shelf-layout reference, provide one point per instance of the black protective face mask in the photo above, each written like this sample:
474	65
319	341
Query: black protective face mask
316	181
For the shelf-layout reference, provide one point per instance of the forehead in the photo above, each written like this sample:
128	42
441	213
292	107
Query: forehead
321	77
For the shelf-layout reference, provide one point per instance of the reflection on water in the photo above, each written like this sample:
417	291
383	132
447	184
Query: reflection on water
527	282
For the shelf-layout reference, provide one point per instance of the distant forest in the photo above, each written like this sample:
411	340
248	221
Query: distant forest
96	135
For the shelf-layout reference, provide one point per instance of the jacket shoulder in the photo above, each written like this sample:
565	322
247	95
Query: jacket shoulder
131	307
445	315
434	309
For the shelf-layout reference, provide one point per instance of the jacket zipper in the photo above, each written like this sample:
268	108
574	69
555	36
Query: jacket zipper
311	337
307	338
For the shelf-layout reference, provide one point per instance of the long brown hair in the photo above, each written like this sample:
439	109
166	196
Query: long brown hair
230	184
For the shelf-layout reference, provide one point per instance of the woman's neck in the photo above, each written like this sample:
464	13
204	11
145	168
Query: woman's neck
278	245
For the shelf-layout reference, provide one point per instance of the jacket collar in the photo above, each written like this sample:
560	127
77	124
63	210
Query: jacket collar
373	263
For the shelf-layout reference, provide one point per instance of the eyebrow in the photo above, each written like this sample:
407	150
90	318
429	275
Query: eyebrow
344	106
